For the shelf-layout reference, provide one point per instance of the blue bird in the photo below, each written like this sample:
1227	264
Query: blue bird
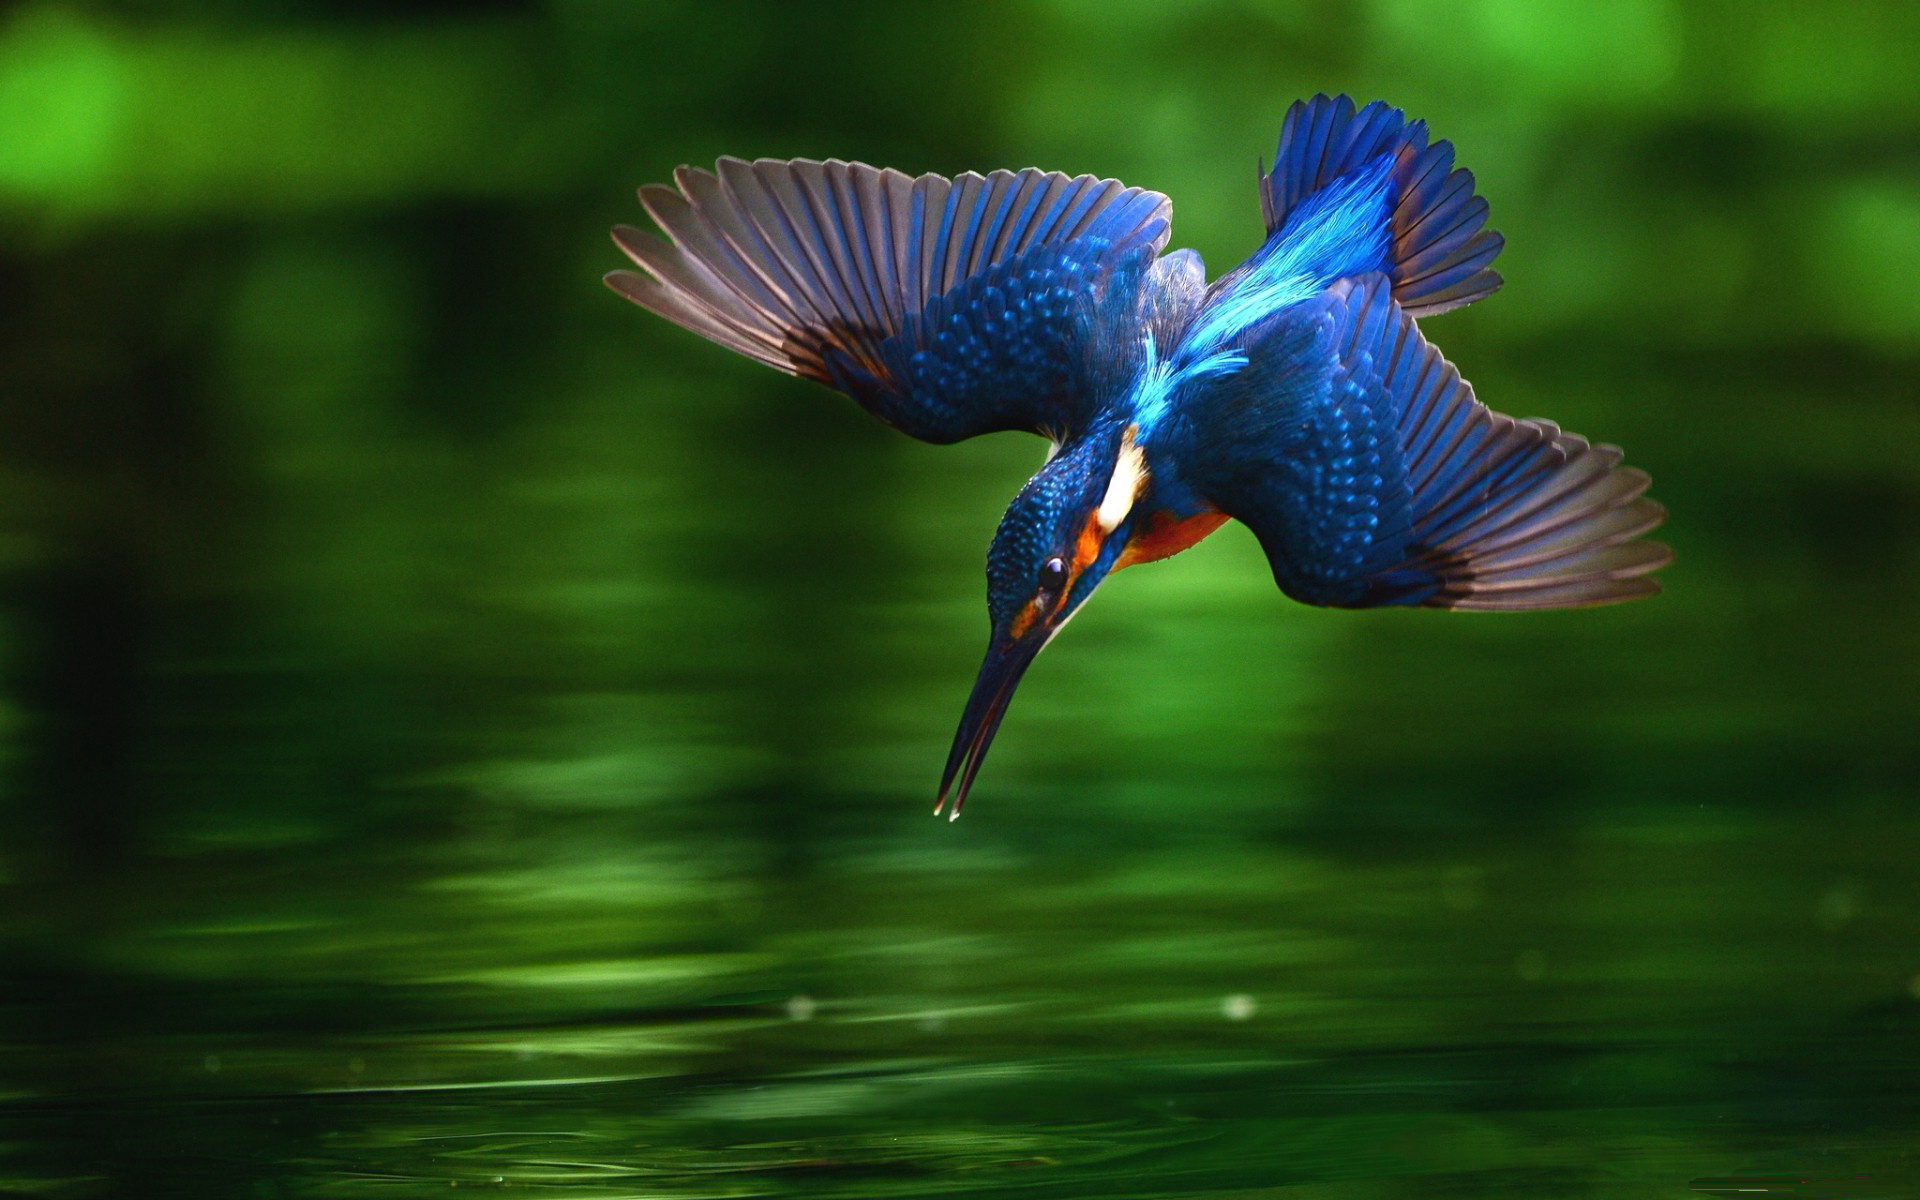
1295	394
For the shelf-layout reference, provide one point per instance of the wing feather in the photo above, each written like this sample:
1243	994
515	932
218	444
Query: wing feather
1373	476
851	276
1439	254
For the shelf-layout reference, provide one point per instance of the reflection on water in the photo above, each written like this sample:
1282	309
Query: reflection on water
572	998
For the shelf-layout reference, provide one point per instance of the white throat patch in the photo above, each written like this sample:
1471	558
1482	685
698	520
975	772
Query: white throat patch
1129	476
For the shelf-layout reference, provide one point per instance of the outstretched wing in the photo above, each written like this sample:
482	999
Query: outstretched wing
1372	476
1437	251
946	307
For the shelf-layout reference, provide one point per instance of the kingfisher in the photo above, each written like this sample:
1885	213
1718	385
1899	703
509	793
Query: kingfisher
1296	394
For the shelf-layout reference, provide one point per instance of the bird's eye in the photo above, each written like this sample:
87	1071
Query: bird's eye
1053	575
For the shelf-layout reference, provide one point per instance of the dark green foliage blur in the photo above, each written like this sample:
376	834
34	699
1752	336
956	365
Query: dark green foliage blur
457	728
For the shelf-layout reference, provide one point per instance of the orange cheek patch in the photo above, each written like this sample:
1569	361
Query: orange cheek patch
1023	621
1167	536
1086	548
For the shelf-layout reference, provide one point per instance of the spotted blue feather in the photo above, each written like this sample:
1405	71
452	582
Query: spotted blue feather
1004	350
947	307
1372	476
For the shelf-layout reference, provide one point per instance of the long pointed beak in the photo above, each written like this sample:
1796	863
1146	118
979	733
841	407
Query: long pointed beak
1005	663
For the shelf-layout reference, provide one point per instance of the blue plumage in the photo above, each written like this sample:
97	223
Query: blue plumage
1439	254
1315	466
999	351
1296	394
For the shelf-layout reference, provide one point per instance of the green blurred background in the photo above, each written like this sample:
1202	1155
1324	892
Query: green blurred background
457	729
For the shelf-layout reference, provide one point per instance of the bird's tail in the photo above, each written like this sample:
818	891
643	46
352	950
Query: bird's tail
1439	254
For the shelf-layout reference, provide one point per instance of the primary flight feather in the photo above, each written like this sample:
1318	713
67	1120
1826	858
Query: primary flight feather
1295	394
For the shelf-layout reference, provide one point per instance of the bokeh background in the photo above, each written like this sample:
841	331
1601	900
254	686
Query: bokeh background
459	730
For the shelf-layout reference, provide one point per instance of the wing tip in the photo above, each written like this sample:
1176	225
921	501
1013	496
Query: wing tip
1626	577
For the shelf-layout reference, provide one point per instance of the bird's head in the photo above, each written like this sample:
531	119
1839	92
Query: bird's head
1060	538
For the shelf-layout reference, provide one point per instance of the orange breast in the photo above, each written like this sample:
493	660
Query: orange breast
1167	535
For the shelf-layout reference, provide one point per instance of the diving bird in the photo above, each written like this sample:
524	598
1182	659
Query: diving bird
1296	394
